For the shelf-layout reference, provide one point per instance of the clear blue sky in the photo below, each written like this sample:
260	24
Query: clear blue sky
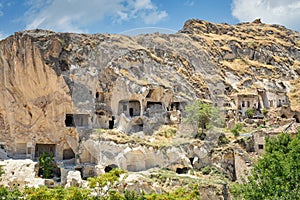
119	16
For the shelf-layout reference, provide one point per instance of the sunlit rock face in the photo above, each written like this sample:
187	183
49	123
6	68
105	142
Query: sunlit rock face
57	88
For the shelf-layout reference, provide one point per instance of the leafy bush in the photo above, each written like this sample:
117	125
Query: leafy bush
242	142
250	113
74	193
57	193
105	179
237	129
1	170
265	112
46	164
206	170
168	132
5	193
223	140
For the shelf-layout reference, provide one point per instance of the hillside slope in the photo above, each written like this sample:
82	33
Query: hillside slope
111	100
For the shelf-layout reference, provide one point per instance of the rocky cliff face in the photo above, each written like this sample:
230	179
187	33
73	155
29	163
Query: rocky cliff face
57	88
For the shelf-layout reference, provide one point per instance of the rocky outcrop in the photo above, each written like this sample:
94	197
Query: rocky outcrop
20	173
139	158
58	89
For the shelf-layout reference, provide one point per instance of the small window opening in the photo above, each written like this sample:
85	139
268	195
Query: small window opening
260	146
69	121
243	103
111	123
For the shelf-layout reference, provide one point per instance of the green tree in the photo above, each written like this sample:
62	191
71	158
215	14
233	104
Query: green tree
203	114
277	174
108	179
250	113
46	164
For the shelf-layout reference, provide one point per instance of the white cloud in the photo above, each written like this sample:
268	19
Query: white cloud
285	12
72	15
143	4
189	3
154	17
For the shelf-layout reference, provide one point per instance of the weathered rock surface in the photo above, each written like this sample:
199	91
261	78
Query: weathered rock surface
20	173
57	88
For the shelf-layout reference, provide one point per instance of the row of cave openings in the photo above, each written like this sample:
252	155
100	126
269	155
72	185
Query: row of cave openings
27	150
24	150
133	108
130	108
82	120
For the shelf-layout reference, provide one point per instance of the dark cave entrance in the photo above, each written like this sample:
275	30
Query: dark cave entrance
183	170
111	123
110	167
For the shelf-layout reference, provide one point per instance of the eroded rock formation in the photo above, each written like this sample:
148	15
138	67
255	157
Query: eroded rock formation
58	88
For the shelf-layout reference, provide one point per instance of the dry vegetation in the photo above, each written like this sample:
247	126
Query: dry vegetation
165	136
294	95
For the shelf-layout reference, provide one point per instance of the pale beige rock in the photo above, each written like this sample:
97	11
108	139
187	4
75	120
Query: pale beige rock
20	173
73	179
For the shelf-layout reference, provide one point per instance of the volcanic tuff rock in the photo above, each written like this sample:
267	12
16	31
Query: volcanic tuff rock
56	88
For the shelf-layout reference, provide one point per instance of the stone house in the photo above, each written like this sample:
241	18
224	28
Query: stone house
246	101
259	141
131	108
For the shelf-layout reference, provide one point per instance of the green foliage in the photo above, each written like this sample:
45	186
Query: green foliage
74	193
206	170
242	142
250	113
105	179
113	195
108	179
45	193
277	174
38	193
265	112
132	195
237	129
7	194
203	114
178	194
46	164
1	170
222	140
168	133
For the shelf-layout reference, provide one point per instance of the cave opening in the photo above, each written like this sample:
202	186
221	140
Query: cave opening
110	167
296	118
111	123
183	170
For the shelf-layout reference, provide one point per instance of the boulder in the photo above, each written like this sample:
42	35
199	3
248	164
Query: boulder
20	173
74	179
